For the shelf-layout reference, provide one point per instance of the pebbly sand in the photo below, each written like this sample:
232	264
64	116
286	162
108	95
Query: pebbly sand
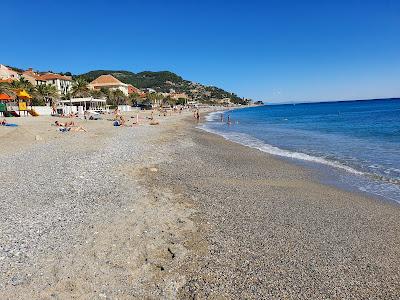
170	212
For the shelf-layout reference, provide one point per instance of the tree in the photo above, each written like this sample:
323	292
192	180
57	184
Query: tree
168	101
80	88
181	101
23	84
5	88
45	93
155	98
98	94
134	98
67	96
116	97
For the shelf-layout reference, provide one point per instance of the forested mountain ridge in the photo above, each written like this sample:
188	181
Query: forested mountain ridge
164	81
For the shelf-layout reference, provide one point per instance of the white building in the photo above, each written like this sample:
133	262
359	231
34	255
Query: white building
109	82
62	83
7	73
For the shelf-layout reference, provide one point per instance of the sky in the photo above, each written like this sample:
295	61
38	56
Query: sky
275	51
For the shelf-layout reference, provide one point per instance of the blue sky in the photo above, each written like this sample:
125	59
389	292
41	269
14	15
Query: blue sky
267	50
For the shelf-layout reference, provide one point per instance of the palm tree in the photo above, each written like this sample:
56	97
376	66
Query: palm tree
134	98
45	92
97	94
155	98
6	88
116	97
80	88
23	84
66	96
168	101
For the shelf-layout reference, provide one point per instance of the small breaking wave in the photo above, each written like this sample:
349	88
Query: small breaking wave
249	141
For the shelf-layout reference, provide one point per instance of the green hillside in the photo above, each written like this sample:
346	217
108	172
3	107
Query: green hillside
163	81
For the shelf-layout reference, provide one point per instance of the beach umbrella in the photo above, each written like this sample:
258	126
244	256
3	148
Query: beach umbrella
5	97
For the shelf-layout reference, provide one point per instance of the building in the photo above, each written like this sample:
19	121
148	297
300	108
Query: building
132	89
62	83
150	90
179	96
9	80
31	76
8	74
109	82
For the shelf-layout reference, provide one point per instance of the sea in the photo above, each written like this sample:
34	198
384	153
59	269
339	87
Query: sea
354	145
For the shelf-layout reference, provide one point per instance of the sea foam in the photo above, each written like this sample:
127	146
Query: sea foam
249	141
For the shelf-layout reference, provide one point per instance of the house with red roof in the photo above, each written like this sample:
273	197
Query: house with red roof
109	82
61	82
132	89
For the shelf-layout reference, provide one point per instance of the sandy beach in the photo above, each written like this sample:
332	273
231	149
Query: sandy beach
170	212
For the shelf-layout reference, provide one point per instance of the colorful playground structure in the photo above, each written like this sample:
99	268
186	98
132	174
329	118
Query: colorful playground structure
18	107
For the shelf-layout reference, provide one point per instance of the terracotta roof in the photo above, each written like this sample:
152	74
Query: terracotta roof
133	89
30	73
50	76
106	80
8	80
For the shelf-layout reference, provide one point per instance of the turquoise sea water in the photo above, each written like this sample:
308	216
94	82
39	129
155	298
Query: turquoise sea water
358	142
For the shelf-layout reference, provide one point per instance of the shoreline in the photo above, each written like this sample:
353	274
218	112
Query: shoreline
273	231
328	172
175	212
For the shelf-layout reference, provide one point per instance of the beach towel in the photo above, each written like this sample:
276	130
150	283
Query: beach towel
11	125
64	129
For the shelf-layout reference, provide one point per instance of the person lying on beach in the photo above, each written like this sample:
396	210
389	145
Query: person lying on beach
76	129
4	122
66	124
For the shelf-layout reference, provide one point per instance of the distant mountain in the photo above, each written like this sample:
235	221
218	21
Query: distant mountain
164	81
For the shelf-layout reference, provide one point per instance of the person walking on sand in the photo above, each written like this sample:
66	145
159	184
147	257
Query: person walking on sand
198	115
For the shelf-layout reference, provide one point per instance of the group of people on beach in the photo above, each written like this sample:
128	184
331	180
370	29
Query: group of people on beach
228	119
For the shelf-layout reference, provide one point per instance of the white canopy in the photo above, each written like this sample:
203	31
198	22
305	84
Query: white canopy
78	100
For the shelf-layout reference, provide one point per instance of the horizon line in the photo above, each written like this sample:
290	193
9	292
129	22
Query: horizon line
327	101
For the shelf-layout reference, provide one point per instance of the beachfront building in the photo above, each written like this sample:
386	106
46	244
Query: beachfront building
8	74
61	82
79	105
109	82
